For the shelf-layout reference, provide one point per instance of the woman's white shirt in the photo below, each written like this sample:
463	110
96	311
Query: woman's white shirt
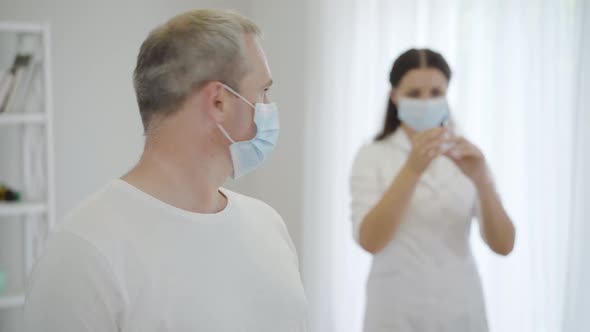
425	279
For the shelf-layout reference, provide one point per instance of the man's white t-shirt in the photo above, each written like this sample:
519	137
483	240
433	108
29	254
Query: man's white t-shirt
126	261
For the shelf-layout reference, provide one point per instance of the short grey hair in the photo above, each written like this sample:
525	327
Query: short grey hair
186	52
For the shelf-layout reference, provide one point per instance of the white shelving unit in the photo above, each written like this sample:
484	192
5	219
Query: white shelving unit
12	301
36	212
21	27
18	119
19	209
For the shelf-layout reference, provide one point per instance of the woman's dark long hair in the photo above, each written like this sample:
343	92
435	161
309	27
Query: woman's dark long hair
411	59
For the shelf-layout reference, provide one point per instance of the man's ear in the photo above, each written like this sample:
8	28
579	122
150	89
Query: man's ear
214	101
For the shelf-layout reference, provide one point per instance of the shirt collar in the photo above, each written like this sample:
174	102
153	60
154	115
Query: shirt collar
400	139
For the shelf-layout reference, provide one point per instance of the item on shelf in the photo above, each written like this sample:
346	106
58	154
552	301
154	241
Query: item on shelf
21	72
5	85
8	195
2	282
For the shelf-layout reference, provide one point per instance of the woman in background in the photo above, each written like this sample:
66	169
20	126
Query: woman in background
415	191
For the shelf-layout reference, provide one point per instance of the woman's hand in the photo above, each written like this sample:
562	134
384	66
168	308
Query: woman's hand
426	146
470	160
496	227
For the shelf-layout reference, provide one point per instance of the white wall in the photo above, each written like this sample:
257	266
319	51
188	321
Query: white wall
279	182
97	125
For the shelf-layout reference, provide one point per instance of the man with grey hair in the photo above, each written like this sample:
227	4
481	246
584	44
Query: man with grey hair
164	248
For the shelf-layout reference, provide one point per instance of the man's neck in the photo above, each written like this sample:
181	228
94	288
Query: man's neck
188	181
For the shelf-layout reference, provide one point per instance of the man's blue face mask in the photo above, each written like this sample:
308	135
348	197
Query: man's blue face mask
249	155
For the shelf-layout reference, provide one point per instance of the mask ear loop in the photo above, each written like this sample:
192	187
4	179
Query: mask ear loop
243	99
238	95
225	133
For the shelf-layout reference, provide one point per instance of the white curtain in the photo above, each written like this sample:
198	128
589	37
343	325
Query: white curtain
577	296
517	92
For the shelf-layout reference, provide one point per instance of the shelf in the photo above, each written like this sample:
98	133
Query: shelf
12	301
17	119
17	209
20	27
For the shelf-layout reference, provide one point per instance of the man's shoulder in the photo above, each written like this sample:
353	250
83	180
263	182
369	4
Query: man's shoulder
248	201
95	217
262	215
254	207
